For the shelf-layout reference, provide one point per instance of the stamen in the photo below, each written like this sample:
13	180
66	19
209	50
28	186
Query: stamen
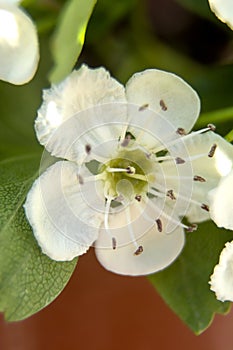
143	107
212	150
156	193
202	205
139	250
159	225
108	202
181	131
126	141
139	177
171	195
192	228
199	178
162	213
179	160
130	170
88	149
106	214
129	226
205	207
114	244
138	197
80	179
162	194
119	198
91	178
211	127
163	105
162	158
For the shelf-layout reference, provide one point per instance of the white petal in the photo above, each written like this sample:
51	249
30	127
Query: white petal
18	45
167	94
221	202
221	280
80	91
99	128
159	249
64	215
211	169
223	9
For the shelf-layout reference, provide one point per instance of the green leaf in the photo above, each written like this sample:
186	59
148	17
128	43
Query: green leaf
18	110
184	285
29	280
69	37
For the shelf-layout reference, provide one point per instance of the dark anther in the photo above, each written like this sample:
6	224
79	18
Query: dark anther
212	150
162	105
119	198
180	131
143	107
129	170
205	207
192	228
88	149
212	127
80	179
139	250
199	178
170	194
159	225
114	244
138	197
126	141
179	160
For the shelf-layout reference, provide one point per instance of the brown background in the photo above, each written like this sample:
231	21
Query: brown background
102	311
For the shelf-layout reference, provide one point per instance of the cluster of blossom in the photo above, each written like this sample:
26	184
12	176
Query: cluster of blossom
149	172
131	169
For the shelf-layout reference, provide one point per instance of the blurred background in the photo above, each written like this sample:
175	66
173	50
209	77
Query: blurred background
102	311
99	310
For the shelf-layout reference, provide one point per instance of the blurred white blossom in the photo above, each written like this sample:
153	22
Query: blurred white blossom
19	50
223	9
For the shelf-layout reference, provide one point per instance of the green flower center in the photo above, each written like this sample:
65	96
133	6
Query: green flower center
128	174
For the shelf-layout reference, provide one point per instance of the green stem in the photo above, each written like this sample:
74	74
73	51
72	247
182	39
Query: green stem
229	136
221	115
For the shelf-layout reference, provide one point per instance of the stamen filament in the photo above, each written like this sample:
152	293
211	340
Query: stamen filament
162	158
106	214
138	177
93	178
184	137
123	133
179	223
116	170
129	226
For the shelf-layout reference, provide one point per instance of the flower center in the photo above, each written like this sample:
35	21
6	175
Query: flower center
128	175
143	182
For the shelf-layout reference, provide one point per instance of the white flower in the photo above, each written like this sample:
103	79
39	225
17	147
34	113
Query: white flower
131	171
223	9
221	211
221	280
19	50
221	201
